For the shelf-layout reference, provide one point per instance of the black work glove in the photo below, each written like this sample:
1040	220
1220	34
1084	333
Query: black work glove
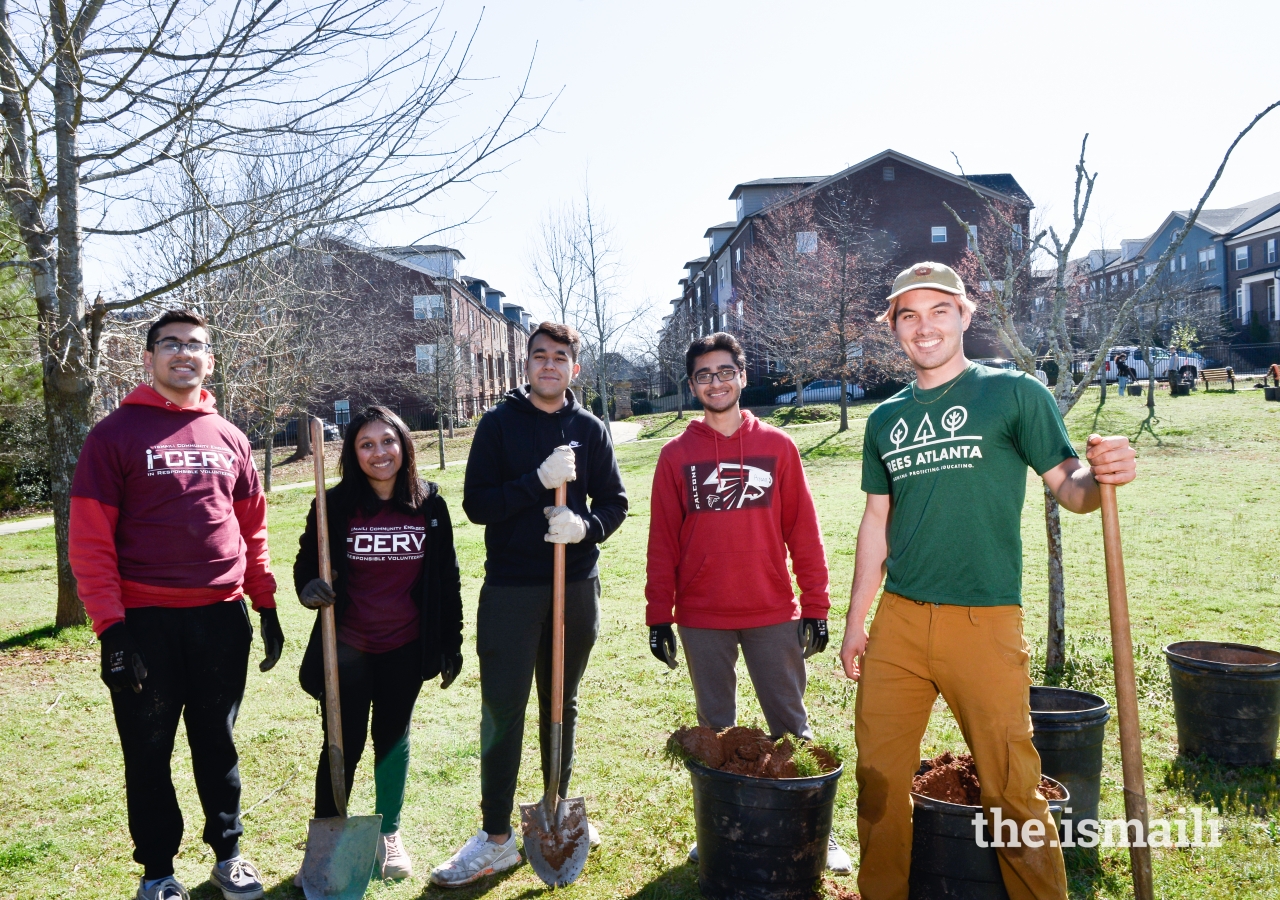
122	664
272	638
317	593
450	666
662	643
813	636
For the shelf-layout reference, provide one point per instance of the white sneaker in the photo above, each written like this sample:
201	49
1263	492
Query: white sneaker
165	889
393	859
693	853
838	860
593	837
477	858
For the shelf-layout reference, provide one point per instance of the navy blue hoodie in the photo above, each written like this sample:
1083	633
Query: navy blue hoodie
502	490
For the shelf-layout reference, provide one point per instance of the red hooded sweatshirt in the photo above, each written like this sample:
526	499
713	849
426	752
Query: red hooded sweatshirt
725	511
167	510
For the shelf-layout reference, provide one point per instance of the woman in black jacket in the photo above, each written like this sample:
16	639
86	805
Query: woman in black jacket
398	604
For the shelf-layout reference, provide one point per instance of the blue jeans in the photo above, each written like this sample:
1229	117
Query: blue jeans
1124	382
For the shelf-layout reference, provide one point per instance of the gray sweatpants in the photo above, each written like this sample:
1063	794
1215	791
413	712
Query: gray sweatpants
775	662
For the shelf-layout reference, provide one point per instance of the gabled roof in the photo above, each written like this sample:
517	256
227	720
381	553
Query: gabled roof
1224	222
800	181
415	249
723	226
695	262
998	187
1268	224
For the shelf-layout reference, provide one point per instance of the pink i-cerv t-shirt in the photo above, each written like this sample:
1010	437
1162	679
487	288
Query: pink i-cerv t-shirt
386	553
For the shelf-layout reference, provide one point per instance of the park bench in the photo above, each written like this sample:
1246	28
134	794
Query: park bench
1218	376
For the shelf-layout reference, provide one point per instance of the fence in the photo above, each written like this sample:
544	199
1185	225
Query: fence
1245	359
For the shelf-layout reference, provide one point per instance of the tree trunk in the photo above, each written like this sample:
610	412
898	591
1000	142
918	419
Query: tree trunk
266	463
69	386
602	387
800	392
1055	654
844	404
679	400
1151	382
304	436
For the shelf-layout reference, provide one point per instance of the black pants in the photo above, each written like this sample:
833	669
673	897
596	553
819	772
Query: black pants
513	640
196	660
388	684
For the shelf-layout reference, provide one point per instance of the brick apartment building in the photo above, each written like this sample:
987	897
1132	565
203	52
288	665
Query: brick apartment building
904	200
431	310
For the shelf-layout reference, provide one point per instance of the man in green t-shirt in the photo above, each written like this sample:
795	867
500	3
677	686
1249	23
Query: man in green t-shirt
944	467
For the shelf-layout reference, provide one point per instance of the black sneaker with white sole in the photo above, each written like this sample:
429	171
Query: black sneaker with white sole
238	879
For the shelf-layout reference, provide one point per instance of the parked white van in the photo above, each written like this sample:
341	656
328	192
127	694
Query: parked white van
1183	363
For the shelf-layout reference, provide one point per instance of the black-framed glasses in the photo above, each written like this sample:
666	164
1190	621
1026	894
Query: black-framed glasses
724	375
173	346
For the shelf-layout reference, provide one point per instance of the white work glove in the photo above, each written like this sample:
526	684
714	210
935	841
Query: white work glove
565	525
558	468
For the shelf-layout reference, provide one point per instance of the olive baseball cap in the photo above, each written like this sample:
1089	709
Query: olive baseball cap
931	275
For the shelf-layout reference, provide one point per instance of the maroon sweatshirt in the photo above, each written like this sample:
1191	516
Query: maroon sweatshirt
167	510
725	512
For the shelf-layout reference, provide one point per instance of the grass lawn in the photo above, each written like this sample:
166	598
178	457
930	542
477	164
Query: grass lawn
1202	561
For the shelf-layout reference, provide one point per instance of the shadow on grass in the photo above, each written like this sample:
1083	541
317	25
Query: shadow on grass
678	883
1089	876
651	432
1251	791
47	637
482	887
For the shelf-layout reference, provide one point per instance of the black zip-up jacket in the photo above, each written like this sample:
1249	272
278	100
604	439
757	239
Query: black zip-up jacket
502	490
439	591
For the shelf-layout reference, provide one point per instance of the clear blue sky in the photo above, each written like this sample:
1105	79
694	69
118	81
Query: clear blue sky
668	105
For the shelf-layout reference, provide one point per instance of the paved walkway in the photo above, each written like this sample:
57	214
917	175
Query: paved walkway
26	525
624	432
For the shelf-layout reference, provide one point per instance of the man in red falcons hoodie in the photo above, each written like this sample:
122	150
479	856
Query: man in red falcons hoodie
729	501
168	533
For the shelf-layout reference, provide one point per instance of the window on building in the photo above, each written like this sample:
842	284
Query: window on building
1124	277
939	234
428	306
326	260
737	256
887	173
1242	305
1182	261
1242	257
806	242
973	238
425	358
1273	307
1271	250
724	277
1206	259
1017	236
1113	280
1150	271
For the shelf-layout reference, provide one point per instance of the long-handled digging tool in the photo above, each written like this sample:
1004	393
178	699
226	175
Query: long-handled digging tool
341	849
555	830
1135	791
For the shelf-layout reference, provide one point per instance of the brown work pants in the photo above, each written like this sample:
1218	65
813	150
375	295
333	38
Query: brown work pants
977	658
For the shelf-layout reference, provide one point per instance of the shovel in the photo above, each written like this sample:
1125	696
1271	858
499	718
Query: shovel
1135	791
555	830
340	850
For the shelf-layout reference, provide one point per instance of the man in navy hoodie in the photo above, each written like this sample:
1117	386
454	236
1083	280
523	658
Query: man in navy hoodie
537	439
730	500
168	534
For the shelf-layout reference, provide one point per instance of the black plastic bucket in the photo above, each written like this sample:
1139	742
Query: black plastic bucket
1069	728
946	860
1226	700
761	838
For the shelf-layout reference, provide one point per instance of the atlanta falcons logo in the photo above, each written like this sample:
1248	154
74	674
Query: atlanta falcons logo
734	485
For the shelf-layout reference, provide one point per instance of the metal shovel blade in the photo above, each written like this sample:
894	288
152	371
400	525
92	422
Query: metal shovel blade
340	857
557	850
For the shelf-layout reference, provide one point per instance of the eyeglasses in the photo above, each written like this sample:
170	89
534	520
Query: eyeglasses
172	347
724	375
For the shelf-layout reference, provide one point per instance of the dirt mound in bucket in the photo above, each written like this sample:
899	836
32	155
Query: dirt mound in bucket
745	751
954	779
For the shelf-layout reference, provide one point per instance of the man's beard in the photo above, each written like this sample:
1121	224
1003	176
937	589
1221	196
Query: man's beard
724	405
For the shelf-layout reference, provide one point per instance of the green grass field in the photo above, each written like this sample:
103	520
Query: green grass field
1199	531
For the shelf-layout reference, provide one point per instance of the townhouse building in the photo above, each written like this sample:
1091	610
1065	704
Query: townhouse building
1253	280
904	201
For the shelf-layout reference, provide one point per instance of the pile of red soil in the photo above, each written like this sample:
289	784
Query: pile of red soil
954	779
745	751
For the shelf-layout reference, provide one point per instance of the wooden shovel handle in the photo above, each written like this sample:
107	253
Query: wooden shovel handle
1135	792
328	632
557	621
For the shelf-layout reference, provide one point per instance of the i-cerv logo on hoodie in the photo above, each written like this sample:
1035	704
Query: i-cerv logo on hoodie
169	459
715	487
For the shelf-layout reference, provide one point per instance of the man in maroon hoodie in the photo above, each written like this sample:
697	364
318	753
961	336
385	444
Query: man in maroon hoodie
729	501
168	533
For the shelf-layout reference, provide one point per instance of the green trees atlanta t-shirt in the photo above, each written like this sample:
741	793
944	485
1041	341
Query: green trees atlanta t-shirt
954	460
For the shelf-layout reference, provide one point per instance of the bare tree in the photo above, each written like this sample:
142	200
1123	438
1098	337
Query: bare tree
103	101
604	323
784	295
854	257
663	350
555	263
1006	276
